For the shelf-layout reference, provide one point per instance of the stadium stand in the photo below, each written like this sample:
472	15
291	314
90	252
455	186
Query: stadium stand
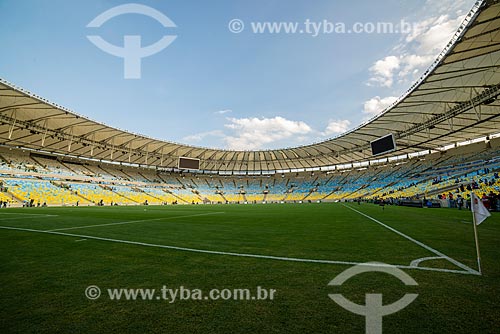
45	179
445	127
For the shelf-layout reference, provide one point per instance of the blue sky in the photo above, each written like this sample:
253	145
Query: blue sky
215	88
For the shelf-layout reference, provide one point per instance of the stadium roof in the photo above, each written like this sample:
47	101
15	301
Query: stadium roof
455	100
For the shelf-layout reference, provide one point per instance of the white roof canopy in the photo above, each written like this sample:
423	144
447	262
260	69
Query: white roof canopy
455	100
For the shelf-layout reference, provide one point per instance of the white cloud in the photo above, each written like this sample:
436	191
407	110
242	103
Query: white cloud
198	137
448	6
254	133
376	105
383	71
222	112
420	46
434	37
418	29
336	127
412	64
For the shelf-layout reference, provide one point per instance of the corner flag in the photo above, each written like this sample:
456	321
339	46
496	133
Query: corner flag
478	210
479	214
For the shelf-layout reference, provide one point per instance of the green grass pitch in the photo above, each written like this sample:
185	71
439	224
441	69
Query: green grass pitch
295	249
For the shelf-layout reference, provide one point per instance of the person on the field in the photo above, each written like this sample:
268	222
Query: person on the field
460	202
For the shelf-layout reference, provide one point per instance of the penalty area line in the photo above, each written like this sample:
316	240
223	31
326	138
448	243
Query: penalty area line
421	244
257	256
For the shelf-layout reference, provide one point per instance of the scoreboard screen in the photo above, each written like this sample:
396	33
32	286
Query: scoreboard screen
188	163
383	145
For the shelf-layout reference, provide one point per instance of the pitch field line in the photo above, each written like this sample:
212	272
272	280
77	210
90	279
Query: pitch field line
132	222
421	244
15	218
26	214
416	262
4	216
247	255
